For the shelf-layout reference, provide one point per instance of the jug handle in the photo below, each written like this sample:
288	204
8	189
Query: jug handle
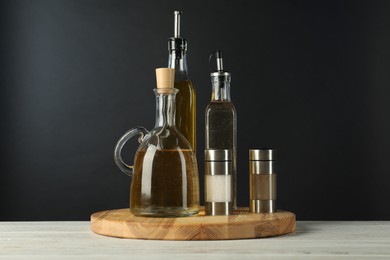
128	169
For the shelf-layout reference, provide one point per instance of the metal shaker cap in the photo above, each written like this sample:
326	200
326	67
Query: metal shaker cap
220	155
263	154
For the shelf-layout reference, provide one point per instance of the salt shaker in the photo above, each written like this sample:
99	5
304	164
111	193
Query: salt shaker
262	180
218	182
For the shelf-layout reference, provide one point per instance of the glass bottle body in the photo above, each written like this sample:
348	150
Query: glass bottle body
185	98
165	181
221	126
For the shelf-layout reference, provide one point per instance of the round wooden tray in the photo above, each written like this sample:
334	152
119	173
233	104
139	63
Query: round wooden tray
243	224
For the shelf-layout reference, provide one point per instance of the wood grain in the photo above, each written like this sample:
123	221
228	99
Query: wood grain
243	224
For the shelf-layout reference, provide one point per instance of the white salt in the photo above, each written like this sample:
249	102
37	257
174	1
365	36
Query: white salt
218	188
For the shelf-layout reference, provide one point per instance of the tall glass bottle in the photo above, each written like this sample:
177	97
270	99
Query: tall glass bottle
221	119
186	97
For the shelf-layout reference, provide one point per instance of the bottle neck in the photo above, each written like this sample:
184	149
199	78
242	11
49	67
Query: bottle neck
165	109
221	91
178	61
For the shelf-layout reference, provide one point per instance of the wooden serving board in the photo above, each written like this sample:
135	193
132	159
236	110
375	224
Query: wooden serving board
243	224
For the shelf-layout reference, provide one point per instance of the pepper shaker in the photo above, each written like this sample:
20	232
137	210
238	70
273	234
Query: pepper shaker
262	180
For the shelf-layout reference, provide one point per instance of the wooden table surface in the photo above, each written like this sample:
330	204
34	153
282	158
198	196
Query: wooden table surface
312	239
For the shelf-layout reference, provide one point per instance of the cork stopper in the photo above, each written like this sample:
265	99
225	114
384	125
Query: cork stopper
165	78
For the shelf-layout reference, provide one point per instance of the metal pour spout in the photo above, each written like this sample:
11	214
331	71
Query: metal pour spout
177	24
218	55
220	75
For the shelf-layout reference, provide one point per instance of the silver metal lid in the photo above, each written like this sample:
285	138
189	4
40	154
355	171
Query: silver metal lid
263	154
217	155
221	76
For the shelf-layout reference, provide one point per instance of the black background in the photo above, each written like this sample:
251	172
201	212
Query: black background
310	78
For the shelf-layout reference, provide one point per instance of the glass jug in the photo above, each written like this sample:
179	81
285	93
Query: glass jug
165	174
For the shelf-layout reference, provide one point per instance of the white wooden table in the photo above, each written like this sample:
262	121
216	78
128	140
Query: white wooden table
312	239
